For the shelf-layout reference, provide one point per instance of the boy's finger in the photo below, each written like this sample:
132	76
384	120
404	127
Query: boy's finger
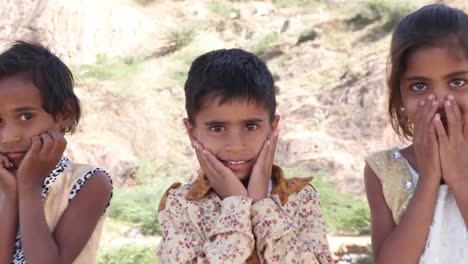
218	168
262	159
204	164
193	142
273	144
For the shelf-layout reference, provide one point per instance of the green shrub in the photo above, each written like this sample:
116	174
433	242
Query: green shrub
292	3
129	254
387	11
181	37
264	42
138	206
222	9
107	68
344	213
365	260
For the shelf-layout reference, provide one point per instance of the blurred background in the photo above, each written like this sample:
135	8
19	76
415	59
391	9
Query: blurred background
130	59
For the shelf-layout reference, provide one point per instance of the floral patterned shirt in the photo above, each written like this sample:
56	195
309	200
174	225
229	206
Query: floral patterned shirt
200	227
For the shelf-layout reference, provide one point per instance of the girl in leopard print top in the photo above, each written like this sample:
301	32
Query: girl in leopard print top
40	207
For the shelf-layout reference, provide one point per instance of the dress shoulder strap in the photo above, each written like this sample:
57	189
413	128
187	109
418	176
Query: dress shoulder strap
397	183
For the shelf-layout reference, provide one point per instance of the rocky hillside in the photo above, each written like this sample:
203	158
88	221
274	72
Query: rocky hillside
130	58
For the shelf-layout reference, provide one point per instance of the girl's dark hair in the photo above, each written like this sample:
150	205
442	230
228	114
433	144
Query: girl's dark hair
434	26
47	72
230	74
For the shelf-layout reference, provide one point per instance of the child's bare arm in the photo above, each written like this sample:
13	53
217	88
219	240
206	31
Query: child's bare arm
408	238
78	221
8	211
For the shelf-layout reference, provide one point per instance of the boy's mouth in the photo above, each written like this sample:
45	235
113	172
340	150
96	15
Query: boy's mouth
235	162
235	165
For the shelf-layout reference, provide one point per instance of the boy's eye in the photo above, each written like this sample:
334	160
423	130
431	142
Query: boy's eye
217	128
25	117
418	87
250	127
457	83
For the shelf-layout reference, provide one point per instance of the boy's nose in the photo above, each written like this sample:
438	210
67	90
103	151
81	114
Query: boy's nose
236	143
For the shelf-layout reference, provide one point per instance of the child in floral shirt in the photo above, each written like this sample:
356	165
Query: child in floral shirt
241	208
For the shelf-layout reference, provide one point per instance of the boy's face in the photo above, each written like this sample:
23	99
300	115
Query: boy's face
234	132
22	116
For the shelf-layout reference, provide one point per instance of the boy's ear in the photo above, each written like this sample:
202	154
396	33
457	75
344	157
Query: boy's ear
190	129
275	122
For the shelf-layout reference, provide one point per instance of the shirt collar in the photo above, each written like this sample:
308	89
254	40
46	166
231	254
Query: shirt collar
280	185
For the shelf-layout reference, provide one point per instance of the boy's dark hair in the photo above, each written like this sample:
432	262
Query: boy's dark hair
229	74
431	26
47	72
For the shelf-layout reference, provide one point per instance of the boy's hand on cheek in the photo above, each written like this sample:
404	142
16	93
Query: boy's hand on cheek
221	178
44	154
261	171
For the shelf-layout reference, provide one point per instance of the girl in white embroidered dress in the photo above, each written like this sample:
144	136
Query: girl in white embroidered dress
428	84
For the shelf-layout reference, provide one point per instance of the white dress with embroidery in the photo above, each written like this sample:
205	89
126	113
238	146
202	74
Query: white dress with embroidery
447	242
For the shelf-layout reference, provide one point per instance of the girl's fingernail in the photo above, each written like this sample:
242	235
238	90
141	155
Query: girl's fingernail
430	97
268	142
450	97
447	103
423	102
437	117
435	102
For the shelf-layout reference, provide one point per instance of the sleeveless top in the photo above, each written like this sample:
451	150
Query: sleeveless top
448	235
58	189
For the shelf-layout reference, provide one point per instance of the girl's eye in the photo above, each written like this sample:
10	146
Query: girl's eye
457	83
25	117
251	127
418	87
217	129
